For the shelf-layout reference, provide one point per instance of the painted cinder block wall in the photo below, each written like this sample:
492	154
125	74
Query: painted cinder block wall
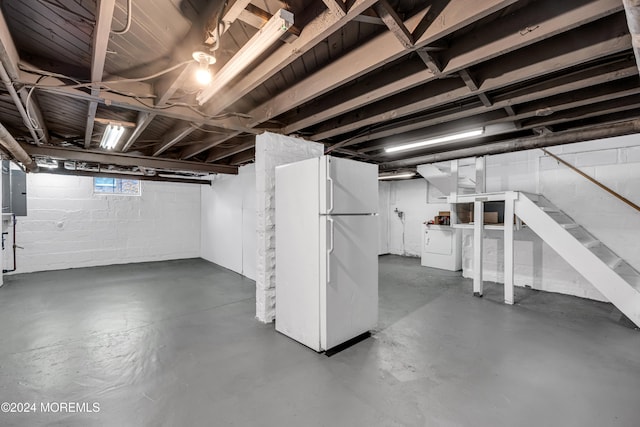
614	161
68	226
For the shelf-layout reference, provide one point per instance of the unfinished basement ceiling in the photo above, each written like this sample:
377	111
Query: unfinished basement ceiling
357	77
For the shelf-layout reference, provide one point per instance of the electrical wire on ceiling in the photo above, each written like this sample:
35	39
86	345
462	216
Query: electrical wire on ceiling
129	16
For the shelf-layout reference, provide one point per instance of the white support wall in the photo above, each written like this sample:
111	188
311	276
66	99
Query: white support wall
229	221
68	226
272	150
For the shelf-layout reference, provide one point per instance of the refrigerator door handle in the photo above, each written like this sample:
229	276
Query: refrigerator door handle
330	180
330	250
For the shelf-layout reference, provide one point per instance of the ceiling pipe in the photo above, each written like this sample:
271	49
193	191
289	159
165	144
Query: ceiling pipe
548	140
16	100
632	10
12	146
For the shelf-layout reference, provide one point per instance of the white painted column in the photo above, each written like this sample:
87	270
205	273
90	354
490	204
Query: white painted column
478	218
508	247
272	150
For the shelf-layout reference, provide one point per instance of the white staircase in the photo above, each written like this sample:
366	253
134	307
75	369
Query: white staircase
606	271
448	178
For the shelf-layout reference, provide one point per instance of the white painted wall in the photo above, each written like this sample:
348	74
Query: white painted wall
410	197
614	161
68	226
228	213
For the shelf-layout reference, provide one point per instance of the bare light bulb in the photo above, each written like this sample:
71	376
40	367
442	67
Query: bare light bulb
203	76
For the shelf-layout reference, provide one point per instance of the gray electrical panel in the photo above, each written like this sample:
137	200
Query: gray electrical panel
14	190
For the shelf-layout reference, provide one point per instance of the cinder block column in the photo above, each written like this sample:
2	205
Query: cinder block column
272	150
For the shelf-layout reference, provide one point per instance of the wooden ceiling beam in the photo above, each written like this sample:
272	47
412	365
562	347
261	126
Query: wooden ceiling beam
166	87
175	135
10	59
239	146
56	86
104	16
325	24
121	159
243	157
378	51
545	17
573	48
195	149
393	22
561	109
576	81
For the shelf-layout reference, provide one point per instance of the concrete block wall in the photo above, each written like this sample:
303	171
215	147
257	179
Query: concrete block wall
68	226
272	150
228	215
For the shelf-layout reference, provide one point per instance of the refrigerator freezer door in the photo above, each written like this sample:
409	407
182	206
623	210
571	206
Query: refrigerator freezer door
349	267
350	187
297	258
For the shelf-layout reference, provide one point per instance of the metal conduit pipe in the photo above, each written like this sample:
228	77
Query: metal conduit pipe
565	137
632	10
16	100
8	142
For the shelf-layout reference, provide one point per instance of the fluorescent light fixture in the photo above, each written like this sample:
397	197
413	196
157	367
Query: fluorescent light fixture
397	175
111	136
439	140
256	46
47	163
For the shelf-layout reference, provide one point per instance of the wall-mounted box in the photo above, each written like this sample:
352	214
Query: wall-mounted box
14	190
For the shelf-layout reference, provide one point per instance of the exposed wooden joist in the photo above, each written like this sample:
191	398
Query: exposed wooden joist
313	33
243	157
104	15
393	22
56	86
573	48
197	148
509	109
582	79
122	159
175	135
408	75
375	53
239	146
368	20
563	108
337	7
10	59
508	32
431	63
166	87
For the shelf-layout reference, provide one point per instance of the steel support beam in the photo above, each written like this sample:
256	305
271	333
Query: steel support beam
120	159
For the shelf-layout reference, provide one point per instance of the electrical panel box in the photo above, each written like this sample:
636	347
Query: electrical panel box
14	190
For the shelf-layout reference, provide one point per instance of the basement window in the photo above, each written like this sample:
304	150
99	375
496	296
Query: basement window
128	187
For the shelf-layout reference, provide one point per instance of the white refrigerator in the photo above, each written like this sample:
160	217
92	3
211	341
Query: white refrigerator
326	250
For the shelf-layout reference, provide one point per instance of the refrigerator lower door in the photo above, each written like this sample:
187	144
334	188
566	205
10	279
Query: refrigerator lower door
349	272
297	257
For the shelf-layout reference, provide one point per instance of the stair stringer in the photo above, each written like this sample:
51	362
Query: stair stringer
597	272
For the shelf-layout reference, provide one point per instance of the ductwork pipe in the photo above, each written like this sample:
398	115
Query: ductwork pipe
632	10
8	142
548	140
16	100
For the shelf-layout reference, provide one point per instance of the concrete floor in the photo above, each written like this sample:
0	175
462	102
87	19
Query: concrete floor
176	344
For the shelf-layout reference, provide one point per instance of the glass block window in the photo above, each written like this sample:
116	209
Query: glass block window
129	187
